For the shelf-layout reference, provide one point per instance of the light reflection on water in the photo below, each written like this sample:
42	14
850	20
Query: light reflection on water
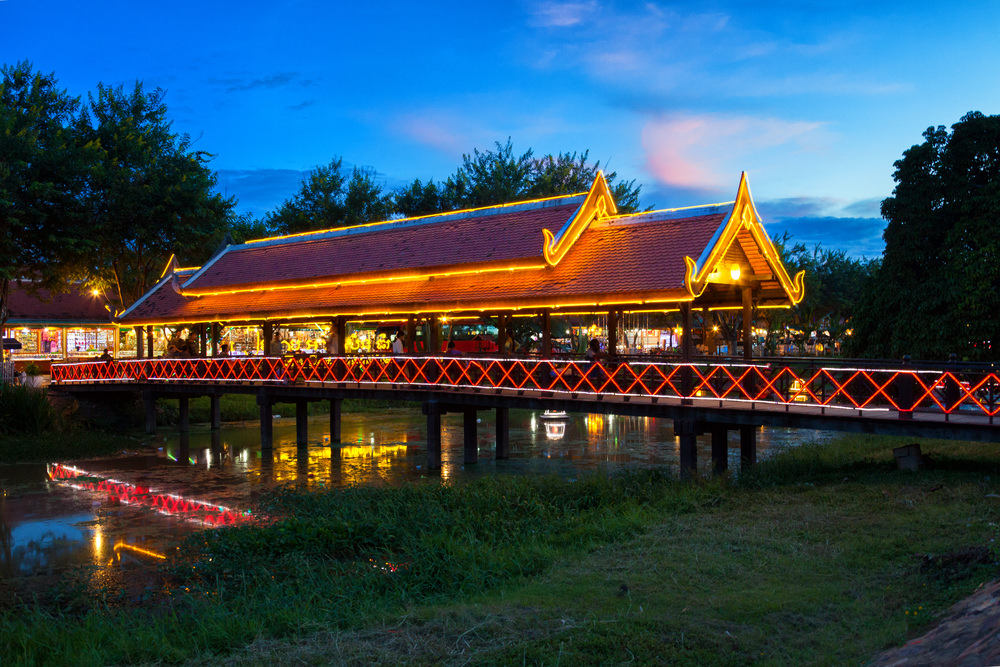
49	524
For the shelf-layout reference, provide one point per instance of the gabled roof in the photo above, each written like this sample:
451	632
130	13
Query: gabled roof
498	237
75	307
489	260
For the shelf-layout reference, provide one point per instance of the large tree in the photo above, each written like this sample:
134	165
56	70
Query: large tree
500	176
328	198
151	194
938	288
43	164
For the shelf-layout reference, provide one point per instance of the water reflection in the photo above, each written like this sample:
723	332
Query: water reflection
126	513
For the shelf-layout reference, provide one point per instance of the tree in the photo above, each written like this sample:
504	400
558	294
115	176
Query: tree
43	161
150	194
500	176
938	288
328	199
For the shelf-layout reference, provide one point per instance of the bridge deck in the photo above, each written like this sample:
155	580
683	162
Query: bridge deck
914	402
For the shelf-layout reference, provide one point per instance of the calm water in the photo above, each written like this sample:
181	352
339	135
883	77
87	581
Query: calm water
122	515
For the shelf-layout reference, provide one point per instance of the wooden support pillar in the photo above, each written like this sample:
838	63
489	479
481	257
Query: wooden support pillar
215	336
748	446
707	335
268	335
685	430
139	343
341	335
503	434
216	404
434	334
613	333
471	440
687	353
301	422
411	335
502	326
149	341
202	347
720	449
266	422
334	421
184	419
433	435
546	335
747	323
149	403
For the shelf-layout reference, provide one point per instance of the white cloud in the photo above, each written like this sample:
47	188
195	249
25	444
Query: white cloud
563	14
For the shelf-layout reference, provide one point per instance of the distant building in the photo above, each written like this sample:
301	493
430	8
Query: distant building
61	327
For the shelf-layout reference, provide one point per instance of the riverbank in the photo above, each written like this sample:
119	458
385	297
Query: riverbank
822	556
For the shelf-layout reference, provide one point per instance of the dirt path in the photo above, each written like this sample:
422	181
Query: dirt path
969	636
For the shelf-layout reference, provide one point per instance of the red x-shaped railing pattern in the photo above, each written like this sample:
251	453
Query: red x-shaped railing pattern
208	513
857	388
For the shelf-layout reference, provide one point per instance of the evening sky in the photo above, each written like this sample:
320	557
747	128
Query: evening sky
815	100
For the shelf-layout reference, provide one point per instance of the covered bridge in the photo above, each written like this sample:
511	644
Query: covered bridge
550	257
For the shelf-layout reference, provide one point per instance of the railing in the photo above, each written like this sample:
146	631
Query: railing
852	386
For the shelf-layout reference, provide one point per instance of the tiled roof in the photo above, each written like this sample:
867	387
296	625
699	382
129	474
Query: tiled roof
634	257
507	235
73	307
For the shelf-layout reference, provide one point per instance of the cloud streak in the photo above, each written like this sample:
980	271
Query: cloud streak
702	151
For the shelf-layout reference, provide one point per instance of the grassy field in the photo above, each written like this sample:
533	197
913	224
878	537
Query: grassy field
821	556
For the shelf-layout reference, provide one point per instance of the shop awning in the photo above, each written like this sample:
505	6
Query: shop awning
11	344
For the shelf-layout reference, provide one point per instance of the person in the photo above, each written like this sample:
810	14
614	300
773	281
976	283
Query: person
106	356
452	350
594	355
398	346
509	344
224	350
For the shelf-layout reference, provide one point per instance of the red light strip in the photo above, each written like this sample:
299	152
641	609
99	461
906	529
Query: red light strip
853	388
210	514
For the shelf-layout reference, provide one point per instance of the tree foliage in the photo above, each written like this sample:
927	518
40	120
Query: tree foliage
938	288
328	198
499	176
43	167
151	194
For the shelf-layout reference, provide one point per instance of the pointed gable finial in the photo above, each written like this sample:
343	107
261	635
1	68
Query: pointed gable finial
599	204
743	216
171	267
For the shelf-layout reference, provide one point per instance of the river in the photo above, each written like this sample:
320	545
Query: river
122	515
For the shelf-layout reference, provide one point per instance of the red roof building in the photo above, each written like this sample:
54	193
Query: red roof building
570	254
49	326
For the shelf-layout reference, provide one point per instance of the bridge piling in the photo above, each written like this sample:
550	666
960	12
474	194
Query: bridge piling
503	434
266	422
686	430
335	421
149	403
184	419
469	431
748	446
433	435
301	422
216	402
720	449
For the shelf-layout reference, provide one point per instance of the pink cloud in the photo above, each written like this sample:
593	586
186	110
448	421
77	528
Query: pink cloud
703	151
437	133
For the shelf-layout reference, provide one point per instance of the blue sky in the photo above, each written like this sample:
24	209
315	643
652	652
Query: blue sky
815	100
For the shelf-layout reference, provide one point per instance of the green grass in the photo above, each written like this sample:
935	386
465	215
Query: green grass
25	410
822	556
